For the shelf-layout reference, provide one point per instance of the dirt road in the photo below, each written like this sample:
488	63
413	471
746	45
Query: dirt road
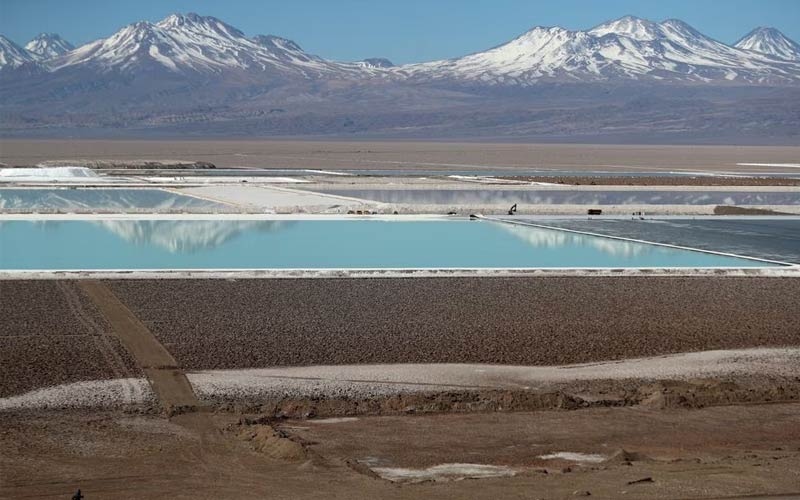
166	378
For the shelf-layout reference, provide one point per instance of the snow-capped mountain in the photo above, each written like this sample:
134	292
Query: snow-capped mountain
771	42
376	62
627	48
12	55
190	43
47	46
625	80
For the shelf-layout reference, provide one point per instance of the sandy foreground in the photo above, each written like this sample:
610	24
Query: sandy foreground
714	452
228	398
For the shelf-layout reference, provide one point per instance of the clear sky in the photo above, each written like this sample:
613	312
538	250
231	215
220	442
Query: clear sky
401	30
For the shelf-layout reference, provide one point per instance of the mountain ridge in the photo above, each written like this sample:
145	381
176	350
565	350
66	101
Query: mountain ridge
628	47
196	75
189	44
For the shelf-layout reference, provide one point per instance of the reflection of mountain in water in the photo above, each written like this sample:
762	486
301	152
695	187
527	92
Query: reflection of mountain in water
187	236
551	238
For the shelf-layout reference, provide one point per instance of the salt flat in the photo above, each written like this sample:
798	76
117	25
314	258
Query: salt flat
272	198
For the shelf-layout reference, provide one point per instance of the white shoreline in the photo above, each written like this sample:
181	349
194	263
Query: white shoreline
788	271
336	381
389	379
222	216
384	217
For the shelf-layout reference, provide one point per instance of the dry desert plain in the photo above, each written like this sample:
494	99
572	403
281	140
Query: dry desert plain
405	155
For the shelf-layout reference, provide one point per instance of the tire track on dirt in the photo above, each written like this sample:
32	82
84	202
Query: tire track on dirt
168	381
100	337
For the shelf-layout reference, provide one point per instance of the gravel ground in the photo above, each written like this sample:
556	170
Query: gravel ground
225	324
51	334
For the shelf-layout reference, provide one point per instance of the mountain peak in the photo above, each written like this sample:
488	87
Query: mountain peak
770	41
46	36
376	62
12	55
198	24
179	19
191	43
540	34
766	31
628	26
47	45
682	26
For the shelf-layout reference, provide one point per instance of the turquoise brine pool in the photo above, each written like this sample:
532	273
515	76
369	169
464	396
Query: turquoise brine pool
313	244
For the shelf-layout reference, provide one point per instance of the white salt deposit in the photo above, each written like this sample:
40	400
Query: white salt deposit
443	472
372	380
338	420
271	197
48	174
328	172
485	179
575	457
219	180
89	394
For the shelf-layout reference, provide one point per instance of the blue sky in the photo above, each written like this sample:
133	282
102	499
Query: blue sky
401	30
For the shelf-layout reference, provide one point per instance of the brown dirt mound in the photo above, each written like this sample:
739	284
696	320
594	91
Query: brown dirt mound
272	443
592	394
626	457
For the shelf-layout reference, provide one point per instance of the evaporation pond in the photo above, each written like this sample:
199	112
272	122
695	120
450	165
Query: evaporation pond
99	199
314	244
570	197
